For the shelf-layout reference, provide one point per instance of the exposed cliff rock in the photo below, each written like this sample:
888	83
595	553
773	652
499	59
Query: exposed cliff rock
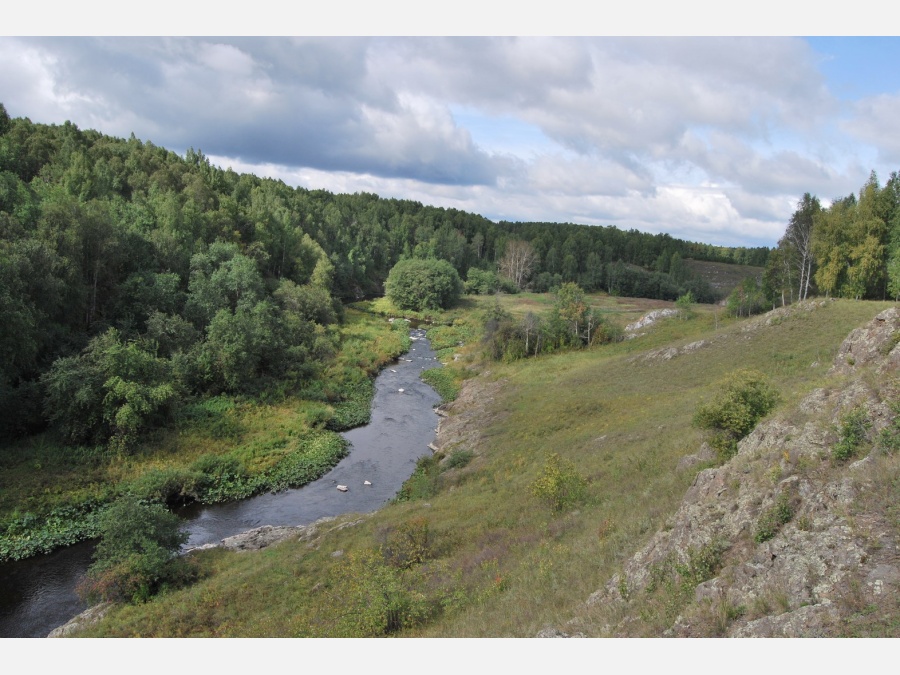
785	540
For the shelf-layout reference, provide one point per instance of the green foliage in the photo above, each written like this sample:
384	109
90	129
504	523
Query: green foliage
702	564
672	582
893	272
570	323
770	522
409	544
560	485
27	535
747	298
314	455
137	555
376	597
482	282
685	305
854	427
889	439
114	390
309	302
423	284
424	482
173	485
218	416
458	459
443	382
744	398
219	477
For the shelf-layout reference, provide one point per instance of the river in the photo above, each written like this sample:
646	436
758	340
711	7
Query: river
38	594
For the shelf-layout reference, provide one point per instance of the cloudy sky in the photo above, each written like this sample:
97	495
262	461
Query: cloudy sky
710	139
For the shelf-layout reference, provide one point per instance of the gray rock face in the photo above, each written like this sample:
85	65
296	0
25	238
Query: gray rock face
649	318
261	537
799	582
86	618
874	342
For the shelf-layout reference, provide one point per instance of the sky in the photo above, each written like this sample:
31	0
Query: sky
710	139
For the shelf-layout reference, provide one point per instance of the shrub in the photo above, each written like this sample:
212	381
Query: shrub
560	485
685	305
220	476
744	398
854	427
770	522
458	459
423	284
375	597
481	282
138	553
671	582
409	544
889	439
173	485
424	482
747	298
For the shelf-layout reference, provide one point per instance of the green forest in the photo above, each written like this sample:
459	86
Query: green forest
132	279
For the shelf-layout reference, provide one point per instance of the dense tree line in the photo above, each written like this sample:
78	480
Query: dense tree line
132	278
571	323
849	249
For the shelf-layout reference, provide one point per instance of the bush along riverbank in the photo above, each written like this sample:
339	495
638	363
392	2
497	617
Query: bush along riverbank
217	449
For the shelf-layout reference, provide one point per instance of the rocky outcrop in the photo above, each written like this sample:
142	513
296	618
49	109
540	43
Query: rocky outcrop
268	535
876	342
669	353
838	549
87	618
776	316
650	318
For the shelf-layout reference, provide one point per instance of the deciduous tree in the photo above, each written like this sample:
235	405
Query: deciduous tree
518	262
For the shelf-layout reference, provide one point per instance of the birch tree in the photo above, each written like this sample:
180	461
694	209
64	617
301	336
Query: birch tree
518	262
799	236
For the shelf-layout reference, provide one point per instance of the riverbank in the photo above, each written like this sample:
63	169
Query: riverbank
219	449
382	457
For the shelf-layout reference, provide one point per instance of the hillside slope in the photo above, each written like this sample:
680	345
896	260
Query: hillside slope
795	542
491	558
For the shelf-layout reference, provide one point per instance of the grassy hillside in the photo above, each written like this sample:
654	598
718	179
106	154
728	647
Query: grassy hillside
470	550
723	277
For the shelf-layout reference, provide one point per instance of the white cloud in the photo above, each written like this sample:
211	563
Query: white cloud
876	120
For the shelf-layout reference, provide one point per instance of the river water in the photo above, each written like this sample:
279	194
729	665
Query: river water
38	594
